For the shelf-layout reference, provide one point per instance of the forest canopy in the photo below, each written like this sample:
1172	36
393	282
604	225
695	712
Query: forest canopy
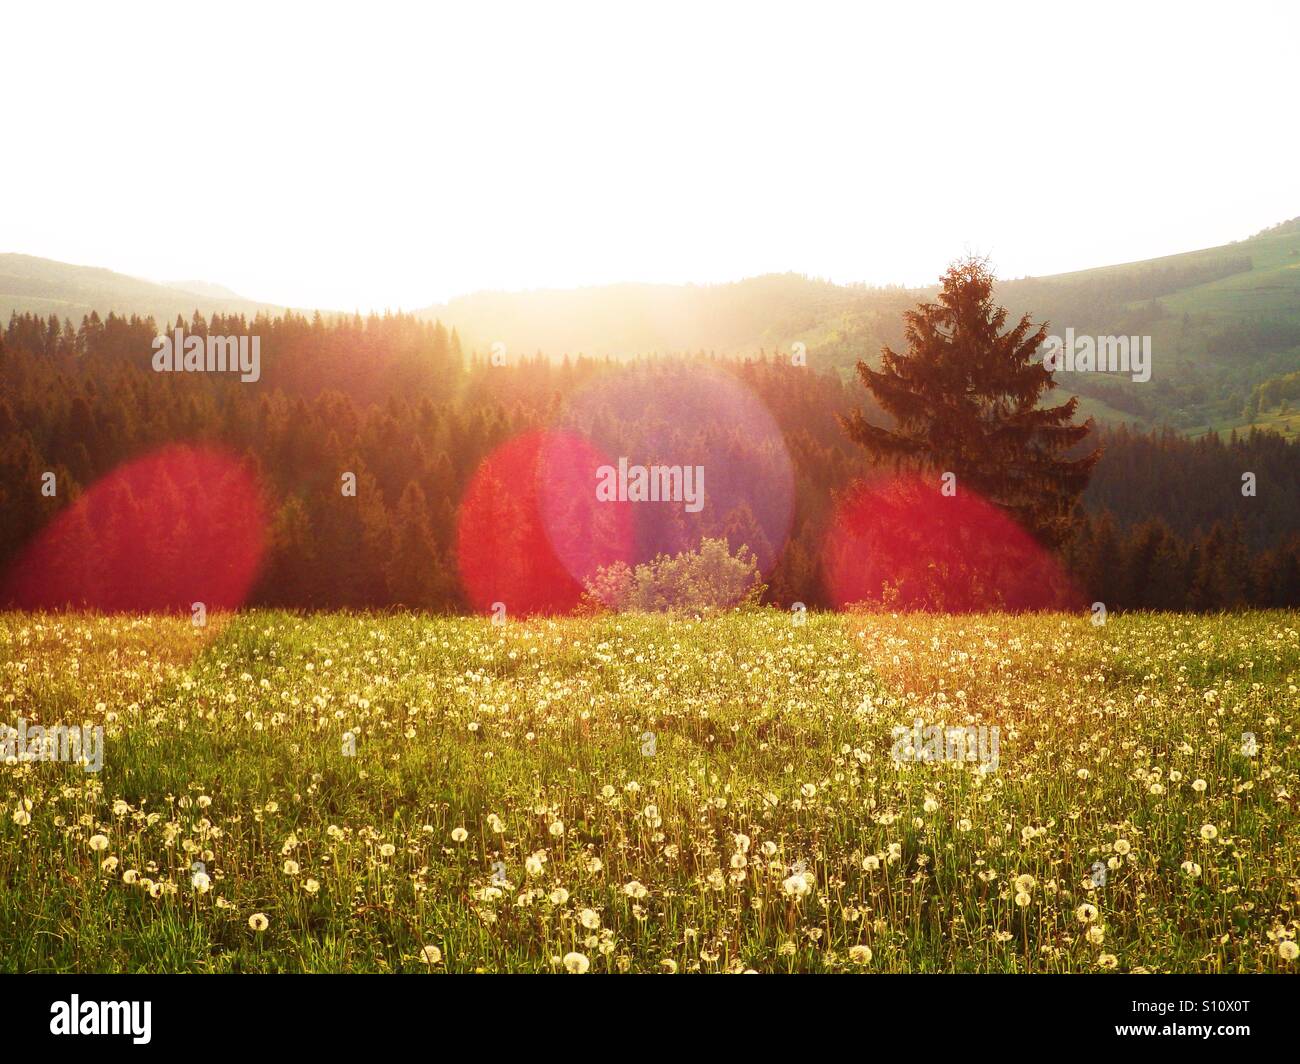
395	402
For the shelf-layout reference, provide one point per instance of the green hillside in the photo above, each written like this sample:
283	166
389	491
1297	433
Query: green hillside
1224	321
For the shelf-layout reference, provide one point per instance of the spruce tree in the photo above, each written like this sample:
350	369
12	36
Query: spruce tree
965	399
413	578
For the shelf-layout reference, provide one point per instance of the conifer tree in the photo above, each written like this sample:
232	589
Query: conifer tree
965	399
413	576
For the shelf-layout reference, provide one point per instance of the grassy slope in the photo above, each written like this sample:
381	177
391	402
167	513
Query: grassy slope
1272	287
1269	291
225	746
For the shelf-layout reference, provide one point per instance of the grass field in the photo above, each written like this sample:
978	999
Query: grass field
384	793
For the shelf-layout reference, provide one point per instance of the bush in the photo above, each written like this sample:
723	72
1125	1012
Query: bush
709	578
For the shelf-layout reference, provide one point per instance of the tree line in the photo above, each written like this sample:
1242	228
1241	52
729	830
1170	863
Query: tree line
394	401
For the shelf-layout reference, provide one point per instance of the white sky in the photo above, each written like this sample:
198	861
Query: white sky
372	155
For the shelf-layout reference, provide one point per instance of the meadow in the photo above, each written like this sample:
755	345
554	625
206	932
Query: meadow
633	793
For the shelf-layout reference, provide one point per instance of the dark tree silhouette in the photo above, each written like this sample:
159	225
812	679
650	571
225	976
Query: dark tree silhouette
965	400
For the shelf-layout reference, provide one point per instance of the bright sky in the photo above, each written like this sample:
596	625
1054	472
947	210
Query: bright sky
371	155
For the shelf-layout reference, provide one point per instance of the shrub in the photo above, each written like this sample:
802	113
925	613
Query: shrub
709	578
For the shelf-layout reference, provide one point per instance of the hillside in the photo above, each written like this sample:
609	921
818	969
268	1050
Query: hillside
43	286
1224	322
739	318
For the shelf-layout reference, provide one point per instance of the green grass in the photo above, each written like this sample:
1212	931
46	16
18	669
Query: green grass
1286	425
226	746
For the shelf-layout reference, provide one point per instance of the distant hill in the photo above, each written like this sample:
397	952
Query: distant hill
204	288
42	286
624	320
1224	321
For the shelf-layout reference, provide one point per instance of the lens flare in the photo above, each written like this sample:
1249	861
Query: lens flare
699	433
901	544
530	531
182	526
